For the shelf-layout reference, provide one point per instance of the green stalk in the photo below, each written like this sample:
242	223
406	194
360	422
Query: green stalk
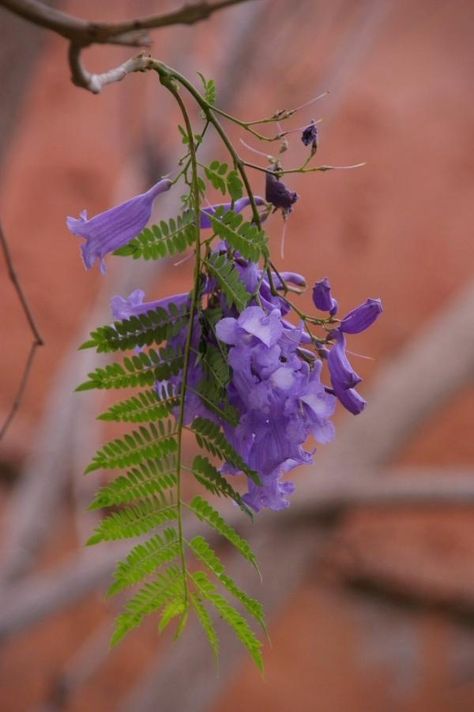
168	83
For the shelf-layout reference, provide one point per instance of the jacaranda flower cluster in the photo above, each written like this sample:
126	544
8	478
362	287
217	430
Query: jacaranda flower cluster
278	384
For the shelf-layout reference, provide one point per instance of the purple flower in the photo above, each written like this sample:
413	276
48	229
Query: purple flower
323	298
281	401
133	305
114	228
343	375
236	207
278	194
310	136
360	318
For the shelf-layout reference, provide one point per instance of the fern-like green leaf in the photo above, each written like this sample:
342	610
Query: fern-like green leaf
234	185
141	369
168	587
243	236
210	477
146	443
211	438
209	89
133	521
144	407
223	269
172	610
163	240
152	478
206	513
231	616
153	327
144	559
206	623
208	556
215	173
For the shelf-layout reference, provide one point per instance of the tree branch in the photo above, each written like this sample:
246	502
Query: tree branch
132	33
37	339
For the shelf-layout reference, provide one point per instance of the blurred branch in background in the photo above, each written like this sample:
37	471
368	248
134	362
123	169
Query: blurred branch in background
132	33
37	339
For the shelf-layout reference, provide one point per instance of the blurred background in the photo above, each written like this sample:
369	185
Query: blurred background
368	578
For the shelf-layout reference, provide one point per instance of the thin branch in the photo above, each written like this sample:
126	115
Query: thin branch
37	339
132	33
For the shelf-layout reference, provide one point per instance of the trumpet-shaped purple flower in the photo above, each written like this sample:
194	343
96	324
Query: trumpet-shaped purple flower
360	318
114	228
278	194
323	298
237	207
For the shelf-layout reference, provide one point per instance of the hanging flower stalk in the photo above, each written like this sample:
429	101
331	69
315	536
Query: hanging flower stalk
234	361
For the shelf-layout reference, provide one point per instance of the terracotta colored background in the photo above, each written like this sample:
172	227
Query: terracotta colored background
400	77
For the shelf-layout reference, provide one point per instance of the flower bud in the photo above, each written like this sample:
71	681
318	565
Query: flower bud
360	318
322	297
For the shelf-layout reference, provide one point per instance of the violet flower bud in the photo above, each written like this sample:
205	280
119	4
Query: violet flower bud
343	375
278	194
310	136
360	318
323	298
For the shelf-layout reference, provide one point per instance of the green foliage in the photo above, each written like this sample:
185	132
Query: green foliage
208	556
209	89
247	238
133	521
224	271
210	477
165	239
143	444
236	621
206	513
154	327
145	407
206	623
145	559
167	588
211	438
224	180
152	478
142	369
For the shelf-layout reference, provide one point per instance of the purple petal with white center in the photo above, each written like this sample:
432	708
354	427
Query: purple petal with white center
114	228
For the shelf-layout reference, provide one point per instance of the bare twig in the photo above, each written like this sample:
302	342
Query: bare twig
37	339
131	33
